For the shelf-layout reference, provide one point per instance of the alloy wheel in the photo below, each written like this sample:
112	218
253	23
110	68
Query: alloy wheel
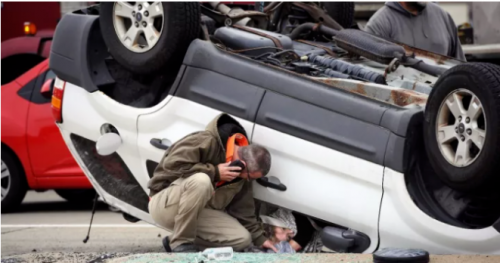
6	180
138	25
461	127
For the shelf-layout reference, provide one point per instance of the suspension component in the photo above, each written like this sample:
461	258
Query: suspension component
354	71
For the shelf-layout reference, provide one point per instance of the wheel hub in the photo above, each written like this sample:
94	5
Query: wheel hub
138	17
461	128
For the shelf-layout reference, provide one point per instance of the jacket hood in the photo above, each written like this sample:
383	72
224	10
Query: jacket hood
397	6
223	126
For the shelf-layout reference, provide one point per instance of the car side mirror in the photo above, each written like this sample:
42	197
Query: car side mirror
108	143
46	90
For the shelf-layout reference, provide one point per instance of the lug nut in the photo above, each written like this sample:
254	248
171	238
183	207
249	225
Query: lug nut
139	7
462	138
459	118
144	24
133	13
469	131
456	129
146	13
136	24
467	120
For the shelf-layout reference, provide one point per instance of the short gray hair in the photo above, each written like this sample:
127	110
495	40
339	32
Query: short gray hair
257	158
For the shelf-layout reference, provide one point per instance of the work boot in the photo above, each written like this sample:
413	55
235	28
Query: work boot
166	245
183	248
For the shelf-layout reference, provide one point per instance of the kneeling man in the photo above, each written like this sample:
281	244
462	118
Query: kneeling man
200	198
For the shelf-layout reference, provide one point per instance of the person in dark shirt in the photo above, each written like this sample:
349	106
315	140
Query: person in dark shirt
423	25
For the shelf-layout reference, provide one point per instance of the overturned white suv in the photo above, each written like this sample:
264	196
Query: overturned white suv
385	144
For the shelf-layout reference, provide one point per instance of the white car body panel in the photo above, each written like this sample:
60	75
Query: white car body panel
404	225
322	182
83	114
175	117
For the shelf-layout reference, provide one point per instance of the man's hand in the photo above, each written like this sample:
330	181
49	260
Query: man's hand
269	244
228	173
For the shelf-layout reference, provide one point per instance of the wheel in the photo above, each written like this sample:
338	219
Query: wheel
462	126
342	12
77	196
14	185
146	36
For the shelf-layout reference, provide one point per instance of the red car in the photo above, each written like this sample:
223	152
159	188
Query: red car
34	155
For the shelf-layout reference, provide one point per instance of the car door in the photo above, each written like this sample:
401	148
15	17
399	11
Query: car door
319	163
88	118
195	101
49	155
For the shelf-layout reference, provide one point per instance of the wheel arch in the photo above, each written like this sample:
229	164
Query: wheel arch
31	181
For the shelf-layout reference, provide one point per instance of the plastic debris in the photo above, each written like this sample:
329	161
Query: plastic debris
219	254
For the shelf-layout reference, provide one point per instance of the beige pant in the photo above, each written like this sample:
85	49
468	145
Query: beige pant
181	208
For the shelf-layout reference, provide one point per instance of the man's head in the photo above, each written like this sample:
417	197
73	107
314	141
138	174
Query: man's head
257	160
414	7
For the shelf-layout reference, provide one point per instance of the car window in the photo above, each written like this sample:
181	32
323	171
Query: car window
37	97
16	65
49	75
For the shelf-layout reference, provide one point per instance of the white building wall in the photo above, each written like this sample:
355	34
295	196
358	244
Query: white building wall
67	7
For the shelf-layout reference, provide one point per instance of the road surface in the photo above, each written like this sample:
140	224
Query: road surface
48	229
47	223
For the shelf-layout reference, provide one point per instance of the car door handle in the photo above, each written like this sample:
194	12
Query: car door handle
158	144
272	182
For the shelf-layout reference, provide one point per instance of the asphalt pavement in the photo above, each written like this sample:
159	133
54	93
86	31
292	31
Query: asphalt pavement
47	223
48	229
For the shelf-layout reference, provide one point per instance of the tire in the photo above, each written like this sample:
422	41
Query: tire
17	185
77	196
181	25
342	12
475	169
